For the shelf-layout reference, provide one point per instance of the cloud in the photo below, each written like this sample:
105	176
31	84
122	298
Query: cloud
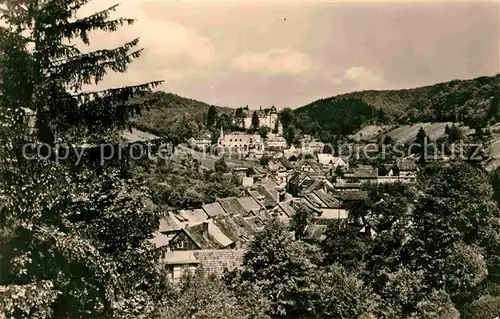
172	51
178	41
363	76
273	62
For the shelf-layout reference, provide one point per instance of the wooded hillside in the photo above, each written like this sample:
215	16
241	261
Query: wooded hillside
474	102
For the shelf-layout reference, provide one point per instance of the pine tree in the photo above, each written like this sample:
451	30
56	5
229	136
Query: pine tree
421	140
255	121
73	239
44	72
211	116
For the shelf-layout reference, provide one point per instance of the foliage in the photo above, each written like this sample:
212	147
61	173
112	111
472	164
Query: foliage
434	252
264	160
89	239
291	135
487	306
474	102
183	187
299	221
174	116
211	116
350	114
54	73
344	245
75	237
436	306
278	265
264	131
204	296
335	292
255	121
422	141
221	166
33	300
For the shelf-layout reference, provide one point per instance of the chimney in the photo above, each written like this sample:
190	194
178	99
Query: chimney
205	228
281	195
261	200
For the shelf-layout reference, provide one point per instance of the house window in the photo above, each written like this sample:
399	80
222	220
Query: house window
230	140
179	244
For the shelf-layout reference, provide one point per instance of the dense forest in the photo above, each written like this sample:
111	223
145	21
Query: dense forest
474	102
171	114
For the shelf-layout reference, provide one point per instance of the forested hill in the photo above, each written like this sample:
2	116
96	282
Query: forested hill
474	102
173	114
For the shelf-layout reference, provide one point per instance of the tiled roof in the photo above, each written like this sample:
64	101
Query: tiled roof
304	204
232	206
269	199
268	182
352	196
314	232
249	203
207	235
285	162
241	221
183	215
347	185
262	214
312	163
317	184
313	199
199	215
328	199
193	216
231	229
287	208
159	240
215	262
256	195
315	165
255	221
170	223
213	209
362	171
180	258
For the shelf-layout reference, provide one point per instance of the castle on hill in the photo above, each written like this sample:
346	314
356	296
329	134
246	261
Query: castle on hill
267	117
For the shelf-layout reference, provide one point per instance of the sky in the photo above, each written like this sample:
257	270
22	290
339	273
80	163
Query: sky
288	54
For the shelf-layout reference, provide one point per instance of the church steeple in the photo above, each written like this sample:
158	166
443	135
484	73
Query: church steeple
221	132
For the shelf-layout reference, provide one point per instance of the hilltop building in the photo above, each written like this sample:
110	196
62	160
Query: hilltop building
267	118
